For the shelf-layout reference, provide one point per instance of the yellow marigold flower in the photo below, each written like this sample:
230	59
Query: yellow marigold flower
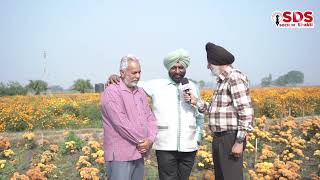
46	157
94	155
89	173
200	164
86	150
8	153
28	136
100	153
95	145
4	143
2	163
83	162
147	162
317	153
17	176
70	144
54	148
291	155
100	160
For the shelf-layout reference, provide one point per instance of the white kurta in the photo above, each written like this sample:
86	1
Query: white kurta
179	124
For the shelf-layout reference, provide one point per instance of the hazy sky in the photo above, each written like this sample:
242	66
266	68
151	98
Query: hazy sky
87	38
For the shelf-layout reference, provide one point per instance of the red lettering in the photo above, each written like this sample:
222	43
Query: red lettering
308	16
286	16
296	18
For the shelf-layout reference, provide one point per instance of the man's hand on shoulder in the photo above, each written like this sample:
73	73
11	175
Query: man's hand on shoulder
113	79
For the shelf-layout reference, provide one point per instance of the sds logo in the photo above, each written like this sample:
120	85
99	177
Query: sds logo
293	19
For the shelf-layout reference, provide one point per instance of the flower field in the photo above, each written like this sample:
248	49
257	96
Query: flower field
280	146
281	102
49	112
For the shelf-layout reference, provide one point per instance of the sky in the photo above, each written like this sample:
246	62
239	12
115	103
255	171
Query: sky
87	38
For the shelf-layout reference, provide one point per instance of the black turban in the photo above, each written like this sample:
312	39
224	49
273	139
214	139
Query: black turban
217	55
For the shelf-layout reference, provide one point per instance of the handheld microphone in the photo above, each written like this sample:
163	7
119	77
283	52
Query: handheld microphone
186	87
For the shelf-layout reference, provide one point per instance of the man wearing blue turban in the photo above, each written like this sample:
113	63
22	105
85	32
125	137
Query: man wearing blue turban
179	123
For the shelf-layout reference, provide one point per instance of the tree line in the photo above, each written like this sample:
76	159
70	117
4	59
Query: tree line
292	78
39	86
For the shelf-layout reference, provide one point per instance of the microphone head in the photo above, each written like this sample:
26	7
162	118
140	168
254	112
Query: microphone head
184	81
185	84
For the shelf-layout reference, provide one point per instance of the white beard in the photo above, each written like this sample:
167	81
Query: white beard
215	72
130	84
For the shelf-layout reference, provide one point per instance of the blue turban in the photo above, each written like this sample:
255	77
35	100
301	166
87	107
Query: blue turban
178	56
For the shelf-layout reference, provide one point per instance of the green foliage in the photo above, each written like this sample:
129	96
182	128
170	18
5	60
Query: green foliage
291	78
281	81
20	125
7	170
295	77
79	143
151	172
3	89
82	85
37	86
70	109
92	111
269	109
11	89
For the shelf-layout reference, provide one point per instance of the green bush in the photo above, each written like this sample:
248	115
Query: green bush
20	125
92	111
79	143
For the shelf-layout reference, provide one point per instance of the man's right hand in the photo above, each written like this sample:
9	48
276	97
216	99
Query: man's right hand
190	98
113	79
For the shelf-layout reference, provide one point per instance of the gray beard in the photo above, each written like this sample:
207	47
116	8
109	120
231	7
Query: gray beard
130	84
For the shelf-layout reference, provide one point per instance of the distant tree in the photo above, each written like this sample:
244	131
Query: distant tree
281	81
292	78
266	81
3	89
11	89
15	88
295	77
37	86
82	85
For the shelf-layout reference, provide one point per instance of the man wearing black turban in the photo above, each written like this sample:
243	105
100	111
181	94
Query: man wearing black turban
230	113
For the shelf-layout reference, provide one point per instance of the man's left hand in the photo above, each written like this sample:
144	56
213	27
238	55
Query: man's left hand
144	146
237	149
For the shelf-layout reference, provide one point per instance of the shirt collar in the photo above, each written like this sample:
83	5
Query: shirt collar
224	74
124	87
